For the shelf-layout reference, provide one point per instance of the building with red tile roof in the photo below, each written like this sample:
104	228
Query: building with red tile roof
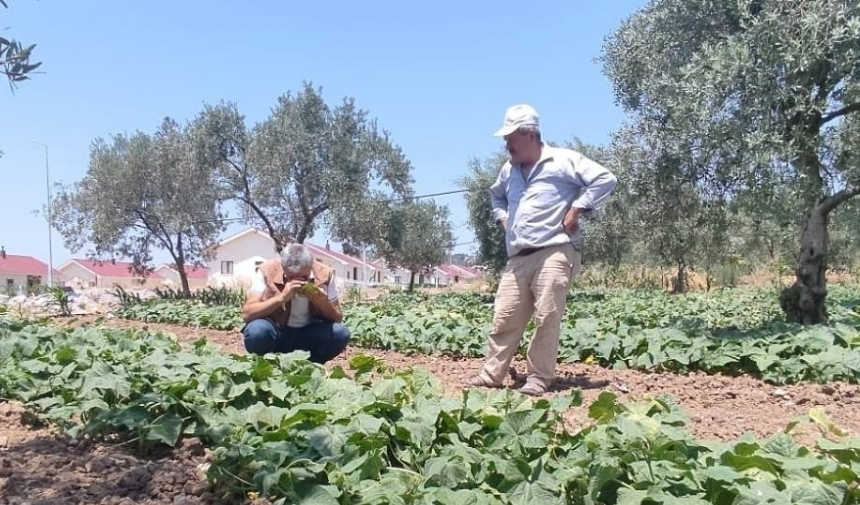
105	274
18	273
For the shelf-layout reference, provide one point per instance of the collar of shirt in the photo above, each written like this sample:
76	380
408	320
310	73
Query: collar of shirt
546	154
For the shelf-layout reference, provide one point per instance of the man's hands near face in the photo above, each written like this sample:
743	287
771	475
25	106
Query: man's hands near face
311	292
290	290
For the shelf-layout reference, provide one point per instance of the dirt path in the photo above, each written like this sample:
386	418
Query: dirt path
38	468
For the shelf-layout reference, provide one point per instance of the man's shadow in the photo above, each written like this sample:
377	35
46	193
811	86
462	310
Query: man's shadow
561	383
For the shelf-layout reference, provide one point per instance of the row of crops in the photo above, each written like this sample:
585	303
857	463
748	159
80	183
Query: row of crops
728	331
296	433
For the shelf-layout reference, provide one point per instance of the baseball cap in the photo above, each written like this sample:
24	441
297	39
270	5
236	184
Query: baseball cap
517	116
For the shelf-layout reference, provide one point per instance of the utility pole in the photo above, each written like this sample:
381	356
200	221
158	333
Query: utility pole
50	221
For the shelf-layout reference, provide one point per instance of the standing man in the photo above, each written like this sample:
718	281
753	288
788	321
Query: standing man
538	198
293	305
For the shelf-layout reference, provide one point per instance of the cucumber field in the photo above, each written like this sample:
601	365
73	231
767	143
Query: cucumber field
659	399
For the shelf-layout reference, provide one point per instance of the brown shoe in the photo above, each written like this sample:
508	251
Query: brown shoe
480	381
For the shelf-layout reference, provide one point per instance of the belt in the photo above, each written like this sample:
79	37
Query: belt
528	250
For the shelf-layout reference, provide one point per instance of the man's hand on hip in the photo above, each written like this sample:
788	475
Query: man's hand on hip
571	220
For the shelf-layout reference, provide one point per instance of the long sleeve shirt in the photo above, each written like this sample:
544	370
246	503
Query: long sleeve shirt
535	206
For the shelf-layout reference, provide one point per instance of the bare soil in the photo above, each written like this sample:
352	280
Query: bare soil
37	467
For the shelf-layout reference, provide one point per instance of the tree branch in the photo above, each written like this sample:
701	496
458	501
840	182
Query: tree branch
833	201
854	107
148	227
247	200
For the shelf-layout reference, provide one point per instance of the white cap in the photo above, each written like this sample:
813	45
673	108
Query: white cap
517	116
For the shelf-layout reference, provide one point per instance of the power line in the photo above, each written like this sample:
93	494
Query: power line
404	199
239	219
389	200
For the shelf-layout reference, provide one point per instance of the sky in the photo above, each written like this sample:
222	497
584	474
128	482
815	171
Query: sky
437	76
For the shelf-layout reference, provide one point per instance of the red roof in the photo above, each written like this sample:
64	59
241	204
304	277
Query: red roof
343	258
23	265
107	268
457	270
463	270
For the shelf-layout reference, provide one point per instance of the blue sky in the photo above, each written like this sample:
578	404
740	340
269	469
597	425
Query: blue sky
437	75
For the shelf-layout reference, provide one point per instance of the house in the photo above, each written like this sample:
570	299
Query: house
396	276
88	273
238	256
458	274
347	268
21	274
441	275
198	277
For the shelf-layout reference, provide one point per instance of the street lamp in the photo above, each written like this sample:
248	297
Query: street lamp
48	190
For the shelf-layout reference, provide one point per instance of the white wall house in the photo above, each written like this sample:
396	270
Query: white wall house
237	258
392	276
442	275
87	273
198	277
458	274
19	274
348	269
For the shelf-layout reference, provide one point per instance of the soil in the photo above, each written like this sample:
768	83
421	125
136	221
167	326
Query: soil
38	467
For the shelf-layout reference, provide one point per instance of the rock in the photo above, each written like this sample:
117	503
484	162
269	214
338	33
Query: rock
88	301
779	392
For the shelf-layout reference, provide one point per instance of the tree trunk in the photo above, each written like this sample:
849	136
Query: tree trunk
680	283
179	261
183	279
803	302
411	280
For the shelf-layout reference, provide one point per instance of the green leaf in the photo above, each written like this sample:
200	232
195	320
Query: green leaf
761	493
363	363
531	493
604	408
814	493
820	417
166	429
317	495
65	355
628	496
444	472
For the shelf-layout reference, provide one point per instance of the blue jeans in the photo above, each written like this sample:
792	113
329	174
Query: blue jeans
323	340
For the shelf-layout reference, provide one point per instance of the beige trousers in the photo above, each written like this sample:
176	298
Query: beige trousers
534	285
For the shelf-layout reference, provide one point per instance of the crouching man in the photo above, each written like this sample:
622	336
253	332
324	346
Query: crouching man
292	304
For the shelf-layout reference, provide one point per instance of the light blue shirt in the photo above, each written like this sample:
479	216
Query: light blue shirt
535	207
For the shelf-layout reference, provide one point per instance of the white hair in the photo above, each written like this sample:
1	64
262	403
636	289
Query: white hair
530	128
296	257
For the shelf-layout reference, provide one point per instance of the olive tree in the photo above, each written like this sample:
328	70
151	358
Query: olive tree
307	164
143	192
15	62
760	91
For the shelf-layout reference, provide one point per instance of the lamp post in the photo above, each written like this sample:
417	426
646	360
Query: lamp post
48	191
